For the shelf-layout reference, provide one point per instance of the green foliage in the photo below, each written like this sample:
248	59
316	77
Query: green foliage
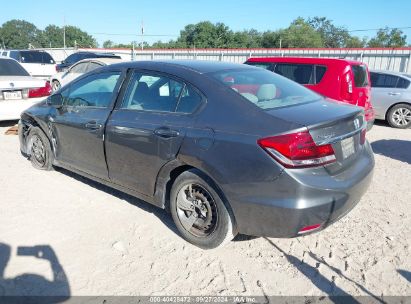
302	33
19	34
388	38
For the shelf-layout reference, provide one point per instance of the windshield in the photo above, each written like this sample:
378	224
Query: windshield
9	67
265	89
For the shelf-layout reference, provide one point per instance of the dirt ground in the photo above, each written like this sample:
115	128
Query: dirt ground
97	241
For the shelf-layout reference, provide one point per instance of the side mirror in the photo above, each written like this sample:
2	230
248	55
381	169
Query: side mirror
55	100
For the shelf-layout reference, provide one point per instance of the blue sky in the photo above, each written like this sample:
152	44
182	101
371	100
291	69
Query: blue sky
168	17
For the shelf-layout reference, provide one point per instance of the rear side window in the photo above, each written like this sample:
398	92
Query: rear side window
9	67
14	55
79	68
301	73
160	94
360	75
36	57
383	80
319	73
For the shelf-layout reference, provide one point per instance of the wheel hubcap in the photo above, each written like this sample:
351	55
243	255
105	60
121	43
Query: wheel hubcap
38	150
402	116
196	210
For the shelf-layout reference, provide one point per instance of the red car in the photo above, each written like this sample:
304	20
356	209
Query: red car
343	80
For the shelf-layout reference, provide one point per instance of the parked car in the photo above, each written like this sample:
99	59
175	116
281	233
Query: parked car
343	80
84	66
174	134
18	90
39	64
76	57
391	96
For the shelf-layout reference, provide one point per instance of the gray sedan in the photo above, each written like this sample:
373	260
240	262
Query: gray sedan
226	148
391	97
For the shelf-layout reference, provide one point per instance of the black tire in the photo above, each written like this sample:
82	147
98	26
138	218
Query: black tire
39	150
216	227
55	85
394	116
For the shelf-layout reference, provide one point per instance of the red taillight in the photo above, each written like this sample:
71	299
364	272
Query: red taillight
346	87
40	92
297	150
309	228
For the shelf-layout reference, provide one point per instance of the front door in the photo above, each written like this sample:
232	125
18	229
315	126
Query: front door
78	127
147	129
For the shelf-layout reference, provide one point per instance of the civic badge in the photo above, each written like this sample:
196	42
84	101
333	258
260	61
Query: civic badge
356	123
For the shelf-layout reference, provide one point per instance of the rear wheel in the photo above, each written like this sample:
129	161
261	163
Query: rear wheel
399	116
199	212
55	85
39	150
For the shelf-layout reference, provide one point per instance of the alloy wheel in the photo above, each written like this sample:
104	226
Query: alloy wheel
401	117
38	150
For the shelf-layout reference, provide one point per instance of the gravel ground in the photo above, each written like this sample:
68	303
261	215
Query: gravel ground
98	241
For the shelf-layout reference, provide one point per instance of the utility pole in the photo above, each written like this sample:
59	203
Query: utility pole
64	32
142	35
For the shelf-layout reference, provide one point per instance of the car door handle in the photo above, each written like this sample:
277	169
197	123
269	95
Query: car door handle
92	125
394	94
166	132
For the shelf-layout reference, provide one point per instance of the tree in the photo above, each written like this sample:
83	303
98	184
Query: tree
271	39
52	36
300	34
205	35
108	44
355	42
388	38
76	37
332	36
19	34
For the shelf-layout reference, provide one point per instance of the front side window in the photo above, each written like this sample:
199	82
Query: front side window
300	73
92	91
265	89
160	93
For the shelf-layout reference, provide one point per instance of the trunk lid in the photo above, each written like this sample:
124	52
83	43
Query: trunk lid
330	122
19	82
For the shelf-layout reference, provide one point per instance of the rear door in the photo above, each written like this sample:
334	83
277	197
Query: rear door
386	90
78	128
147	128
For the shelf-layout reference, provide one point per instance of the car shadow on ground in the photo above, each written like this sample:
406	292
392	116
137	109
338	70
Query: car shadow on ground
8	123
30	287
405	274
162	214
393	148
335	293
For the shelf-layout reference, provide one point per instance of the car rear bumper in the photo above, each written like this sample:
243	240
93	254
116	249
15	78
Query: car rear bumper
11	109
304	198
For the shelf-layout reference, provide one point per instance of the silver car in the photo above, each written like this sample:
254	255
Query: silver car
391	97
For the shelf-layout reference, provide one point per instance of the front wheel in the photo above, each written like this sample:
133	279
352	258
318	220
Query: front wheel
39	150
199	212
399	116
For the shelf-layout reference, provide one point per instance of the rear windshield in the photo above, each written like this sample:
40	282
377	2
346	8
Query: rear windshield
265	89
9	67
360	75
35	57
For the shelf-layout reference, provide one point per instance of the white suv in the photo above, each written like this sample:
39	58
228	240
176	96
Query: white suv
39	64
